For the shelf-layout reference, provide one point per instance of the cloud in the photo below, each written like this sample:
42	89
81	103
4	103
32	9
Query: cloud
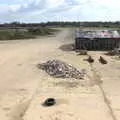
46	10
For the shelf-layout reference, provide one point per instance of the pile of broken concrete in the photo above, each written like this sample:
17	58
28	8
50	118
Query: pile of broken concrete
114	52
57	68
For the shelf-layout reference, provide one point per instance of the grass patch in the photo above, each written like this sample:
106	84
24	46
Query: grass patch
42	31
14	34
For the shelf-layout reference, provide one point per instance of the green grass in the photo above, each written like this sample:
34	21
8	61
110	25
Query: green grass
14	34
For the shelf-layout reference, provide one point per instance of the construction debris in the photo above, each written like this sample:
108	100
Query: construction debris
111	53
90	59
116	51
83	33
82	52
58	68
102	60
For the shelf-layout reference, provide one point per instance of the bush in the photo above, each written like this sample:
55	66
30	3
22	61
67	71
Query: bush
40	31
13	34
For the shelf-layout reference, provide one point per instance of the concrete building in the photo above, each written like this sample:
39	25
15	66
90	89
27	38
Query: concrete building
97	39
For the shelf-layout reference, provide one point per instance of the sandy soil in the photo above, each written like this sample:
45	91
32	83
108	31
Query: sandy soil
23	87
110	76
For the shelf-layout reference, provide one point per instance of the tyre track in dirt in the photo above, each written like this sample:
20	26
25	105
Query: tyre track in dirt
96	79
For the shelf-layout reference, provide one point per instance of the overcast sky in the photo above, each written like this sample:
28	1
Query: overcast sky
59	10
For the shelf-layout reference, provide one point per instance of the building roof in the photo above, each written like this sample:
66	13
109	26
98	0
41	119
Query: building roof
97	34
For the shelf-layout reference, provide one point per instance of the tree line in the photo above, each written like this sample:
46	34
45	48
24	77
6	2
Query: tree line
62	24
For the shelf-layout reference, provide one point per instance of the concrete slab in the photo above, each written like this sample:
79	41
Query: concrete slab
110	76
75	104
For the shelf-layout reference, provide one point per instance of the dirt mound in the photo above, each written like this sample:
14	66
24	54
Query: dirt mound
58	68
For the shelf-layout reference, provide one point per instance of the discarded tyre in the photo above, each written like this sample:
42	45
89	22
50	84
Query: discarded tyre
49	102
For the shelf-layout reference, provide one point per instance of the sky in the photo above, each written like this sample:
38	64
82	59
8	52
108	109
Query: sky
34	11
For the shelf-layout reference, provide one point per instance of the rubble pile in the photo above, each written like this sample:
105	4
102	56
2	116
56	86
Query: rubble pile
102	60
58	68
90	59
114	52
83	52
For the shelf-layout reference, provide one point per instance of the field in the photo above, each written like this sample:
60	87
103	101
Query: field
24	87
24	33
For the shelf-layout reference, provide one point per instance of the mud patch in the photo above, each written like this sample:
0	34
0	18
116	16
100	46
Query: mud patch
67	84
67	47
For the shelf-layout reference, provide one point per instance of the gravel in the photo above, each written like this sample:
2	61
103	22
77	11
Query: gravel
57	68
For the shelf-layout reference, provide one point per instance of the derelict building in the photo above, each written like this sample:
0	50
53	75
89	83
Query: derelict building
97	39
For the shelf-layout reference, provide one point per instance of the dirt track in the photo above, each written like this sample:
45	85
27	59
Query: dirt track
23	87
